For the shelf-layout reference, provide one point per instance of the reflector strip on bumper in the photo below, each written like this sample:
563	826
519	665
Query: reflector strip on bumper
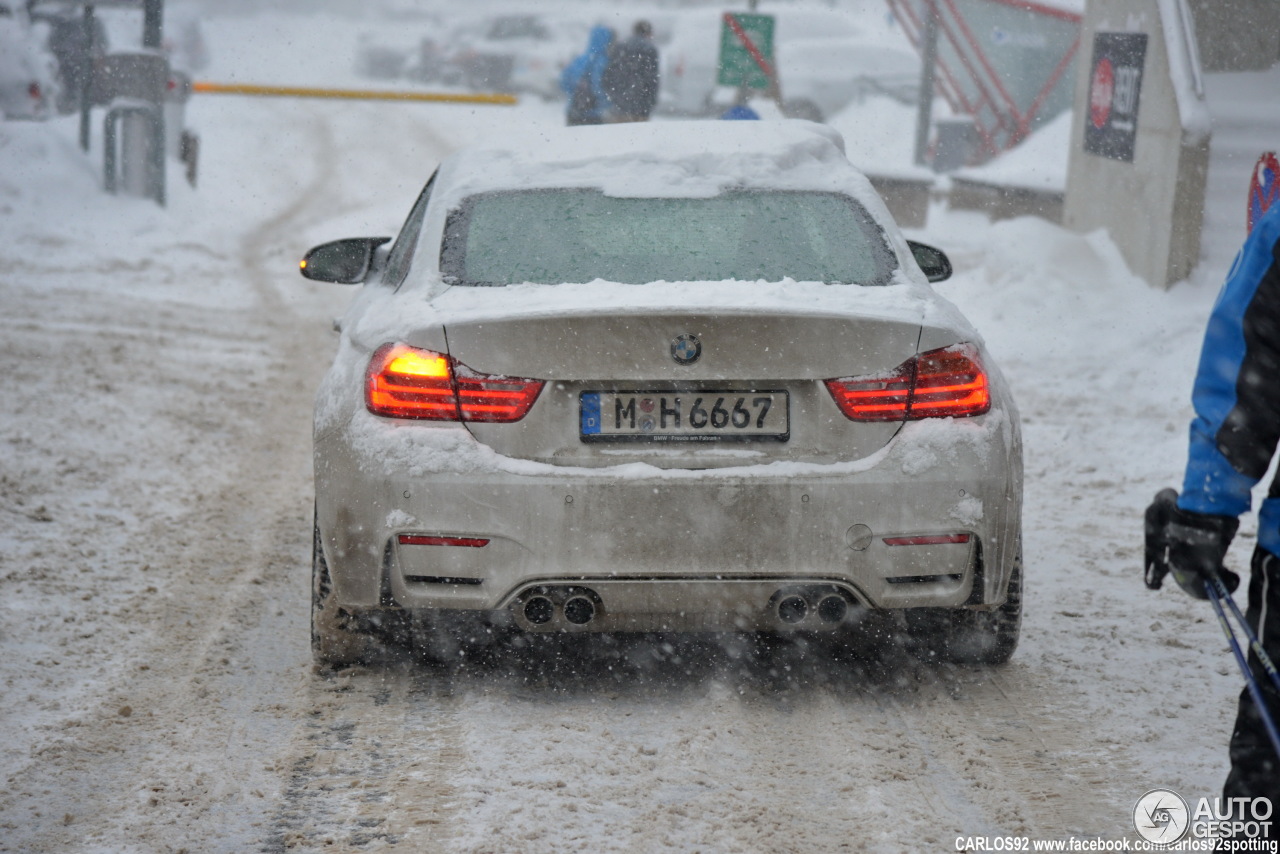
924	579
928	540
442	579
424	540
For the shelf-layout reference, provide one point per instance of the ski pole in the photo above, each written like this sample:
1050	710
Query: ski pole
1252	684
1254	643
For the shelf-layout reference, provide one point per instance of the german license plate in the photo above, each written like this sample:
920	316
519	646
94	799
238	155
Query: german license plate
701	416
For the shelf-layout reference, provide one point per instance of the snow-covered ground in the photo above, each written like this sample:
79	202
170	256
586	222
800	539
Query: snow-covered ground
156	693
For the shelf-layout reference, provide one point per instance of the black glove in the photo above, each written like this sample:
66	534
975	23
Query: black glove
1190	545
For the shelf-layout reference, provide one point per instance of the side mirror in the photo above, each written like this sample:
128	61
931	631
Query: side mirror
934	263
346	262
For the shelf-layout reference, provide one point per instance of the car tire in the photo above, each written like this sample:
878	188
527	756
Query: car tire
337	638
964	636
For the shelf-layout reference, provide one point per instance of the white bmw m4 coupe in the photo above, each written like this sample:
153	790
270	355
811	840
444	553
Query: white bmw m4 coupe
664	377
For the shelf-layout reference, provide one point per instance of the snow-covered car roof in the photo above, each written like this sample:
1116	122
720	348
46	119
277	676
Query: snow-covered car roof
693	159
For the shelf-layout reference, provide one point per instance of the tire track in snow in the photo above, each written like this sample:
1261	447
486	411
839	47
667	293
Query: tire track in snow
187	740
171	745
1012	756
370	764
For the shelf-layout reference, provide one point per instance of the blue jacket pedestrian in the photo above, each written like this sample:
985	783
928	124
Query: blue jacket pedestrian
581	80
1233	438
1237	389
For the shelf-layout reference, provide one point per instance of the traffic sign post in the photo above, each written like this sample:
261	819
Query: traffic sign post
746	52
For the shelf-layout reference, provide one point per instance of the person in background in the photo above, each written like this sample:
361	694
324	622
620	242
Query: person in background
1233	439
582	80
631	80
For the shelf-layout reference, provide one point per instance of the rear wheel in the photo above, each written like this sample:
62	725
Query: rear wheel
337	636
965	636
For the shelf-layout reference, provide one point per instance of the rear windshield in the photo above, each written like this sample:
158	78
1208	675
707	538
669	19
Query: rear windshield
555	236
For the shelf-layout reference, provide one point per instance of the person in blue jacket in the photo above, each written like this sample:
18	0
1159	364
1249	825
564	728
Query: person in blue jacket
581	80
1234	434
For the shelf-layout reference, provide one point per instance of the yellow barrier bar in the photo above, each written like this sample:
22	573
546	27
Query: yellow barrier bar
352	94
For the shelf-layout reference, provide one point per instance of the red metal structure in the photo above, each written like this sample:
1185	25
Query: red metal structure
1003	62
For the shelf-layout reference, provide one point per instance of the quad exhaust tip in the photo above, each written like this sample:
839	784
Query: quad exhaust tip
792	609
539	610
825	606
832	609
551	607
579	610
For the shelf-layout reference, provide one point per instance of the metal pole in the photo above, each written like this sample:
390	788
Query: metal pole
152	36
742	95
152	22
929	58
1255	690
87	77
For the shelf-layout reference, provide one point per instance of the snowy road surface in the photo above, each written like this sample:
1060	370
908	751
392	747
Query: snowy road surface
156	692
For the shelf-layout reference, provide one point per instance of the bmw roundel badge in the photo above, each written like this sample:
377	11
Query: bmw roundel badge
686	349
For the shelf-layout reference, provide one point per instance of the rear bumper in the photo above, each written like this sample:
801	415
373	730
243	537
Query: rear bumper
709	549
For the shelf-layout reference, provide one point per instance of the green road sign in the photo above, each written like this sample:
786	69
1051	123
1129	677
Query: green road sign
746	50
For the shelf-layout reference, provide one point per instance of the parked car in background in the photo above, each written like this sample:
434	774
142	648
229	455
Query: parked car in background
28	71
666	376
519	53
381	58
826	59
832	73
184	42
434	57
77	47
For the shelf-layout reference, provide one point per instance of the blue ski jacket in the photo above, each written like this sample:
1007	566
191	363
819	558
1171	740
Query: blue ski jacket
592	63
1237	390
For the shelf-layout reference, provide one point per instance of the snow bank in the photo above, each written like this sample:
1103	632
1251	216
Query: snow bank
879	135
1039	162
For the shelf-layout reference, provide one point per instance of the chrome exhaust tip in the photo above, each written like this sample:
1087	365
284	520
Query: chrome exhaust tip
792	609
579	610
833	609
539	610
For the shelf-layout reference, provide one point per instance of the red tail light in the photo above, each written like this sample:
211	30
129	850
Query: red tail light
405	382
34	91
949	382
883	398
